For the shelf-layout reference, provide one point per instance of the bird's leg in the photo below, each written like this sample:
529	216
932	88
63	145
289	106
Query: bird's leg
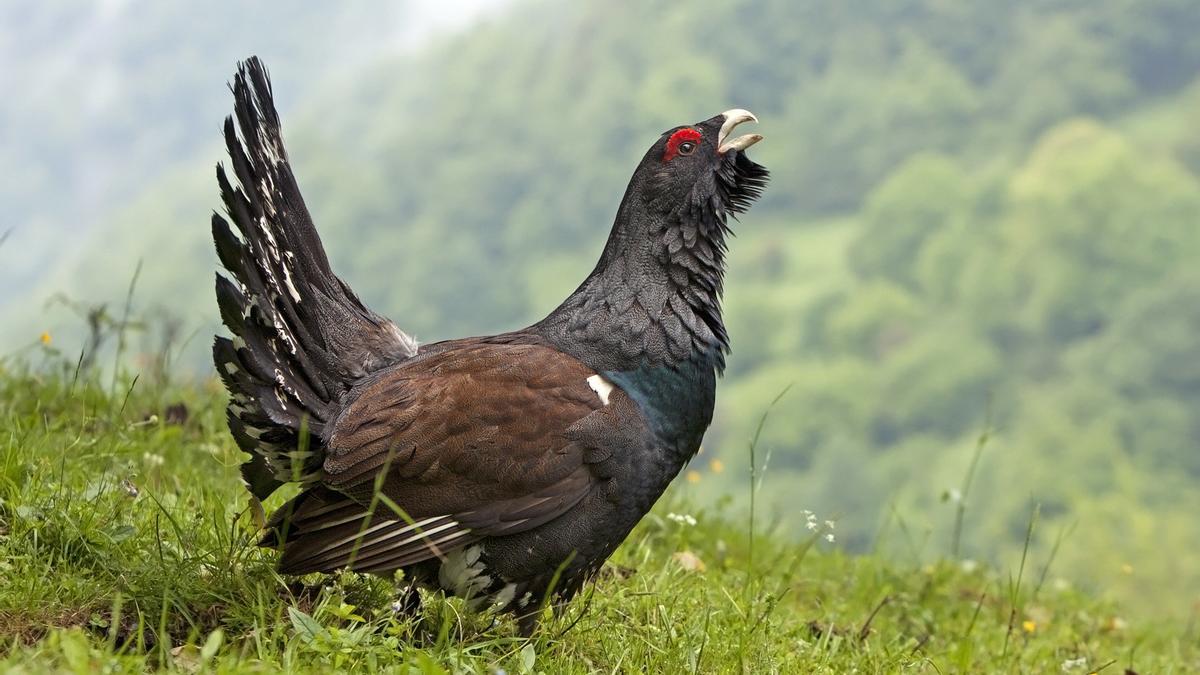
408	602
527	621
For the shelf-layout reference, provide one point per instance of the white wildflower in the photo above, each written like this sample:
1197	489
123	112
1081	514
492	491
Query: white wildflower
153	459
681	518
829	537
812	525
1074	664
829	524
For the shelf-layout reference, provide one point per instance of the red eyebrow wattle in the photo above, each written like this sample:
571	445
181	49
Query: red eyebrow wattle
681	136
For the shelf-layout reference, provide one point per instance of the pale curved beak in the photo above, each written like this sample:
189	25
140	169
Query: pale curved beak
732	119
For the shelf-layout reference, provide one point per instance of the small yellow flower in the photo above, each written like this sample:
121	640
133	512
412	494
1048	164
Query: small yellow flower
693	476
1126	569
1029	626
45	338
717	466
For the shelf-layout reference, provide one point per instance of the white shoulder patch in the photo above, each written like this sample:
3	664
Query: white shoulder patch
601	386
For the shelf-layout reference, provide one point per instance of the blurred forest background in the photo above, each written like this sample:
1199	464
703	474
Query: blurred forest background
980	211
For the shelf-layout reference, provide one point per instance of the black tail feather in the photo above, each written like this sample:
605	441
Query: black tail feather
301	336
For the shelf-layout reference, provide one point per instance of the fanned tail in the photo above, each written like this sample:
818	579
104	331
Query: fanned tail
301	337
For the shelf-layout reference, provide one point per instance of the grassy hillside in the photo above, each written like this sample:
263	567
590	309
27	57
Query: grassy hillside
126	545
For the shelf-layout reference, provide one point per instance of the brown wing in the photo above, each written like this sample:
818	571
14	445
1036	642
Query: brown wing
477	440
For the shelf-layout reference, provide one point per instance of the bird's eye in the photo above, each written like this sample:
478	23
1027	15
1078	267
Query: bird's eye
682	142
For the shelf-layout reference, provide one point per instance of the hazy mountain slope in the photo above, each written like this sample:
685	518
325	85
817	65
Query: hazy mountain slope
108	96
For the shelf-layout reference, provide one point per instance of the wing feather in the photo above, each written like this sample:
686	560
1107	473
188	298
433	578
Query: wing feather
472	442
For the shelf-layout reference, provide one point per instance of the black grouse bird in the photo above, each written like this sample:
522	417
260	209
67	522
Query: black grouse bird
505	468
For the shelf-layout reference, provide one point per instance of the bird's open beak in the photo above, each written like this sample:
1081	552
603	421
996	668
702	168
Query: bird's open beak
732	119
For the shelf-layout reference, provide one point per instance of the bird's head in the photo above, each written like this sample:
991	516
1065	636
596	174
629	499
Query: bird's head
654	297
702	167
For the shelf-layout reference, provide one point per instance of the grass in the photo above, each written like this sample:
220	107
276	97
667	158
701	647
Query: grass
126	545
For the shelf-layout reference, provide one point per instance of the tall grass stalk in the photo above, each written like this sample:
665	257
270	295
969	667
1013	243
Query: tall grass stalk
1014	586
757	473
123	326
960	511
1058	540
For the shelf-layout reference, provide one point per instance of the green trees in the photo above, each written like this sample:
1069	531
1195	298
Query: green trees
1061	293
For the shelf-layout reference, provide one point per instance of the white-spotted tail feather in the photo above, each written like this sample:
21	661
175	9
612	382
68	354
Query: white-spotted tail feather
301	337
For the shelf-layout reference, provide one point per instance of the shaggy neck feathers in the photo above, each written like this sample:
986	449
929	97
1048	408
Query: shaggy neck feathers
654	298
